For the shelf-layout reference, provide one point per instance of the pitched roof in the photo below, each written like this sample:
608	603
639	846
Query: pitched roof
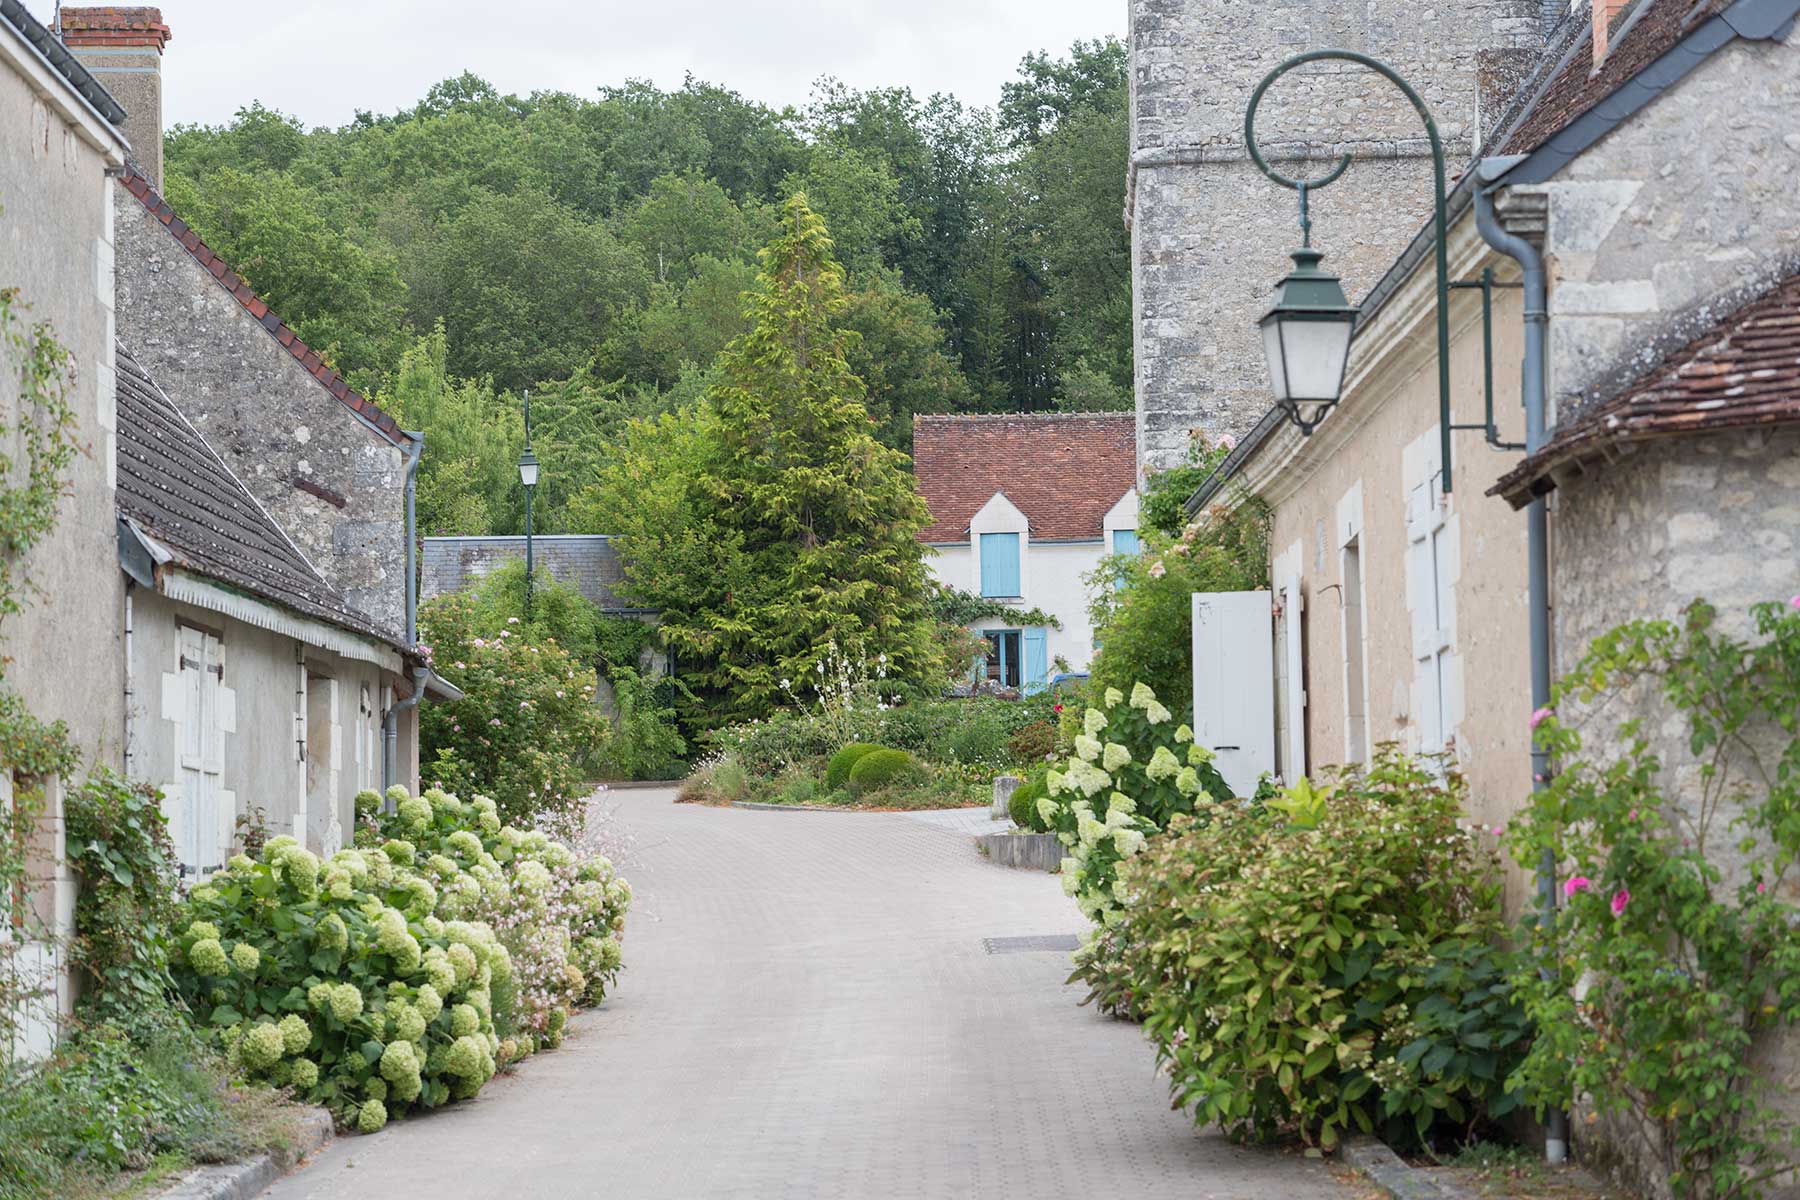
13	13
1742	371
1064	471
278	329
181	493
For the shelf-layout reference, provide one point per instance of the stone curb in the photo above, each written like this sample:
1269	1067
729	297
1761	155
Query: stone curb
1388	1172
245	1180
759	807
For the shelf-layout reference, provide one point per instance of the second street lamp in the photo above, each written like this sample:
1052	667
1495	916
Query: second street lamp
528	475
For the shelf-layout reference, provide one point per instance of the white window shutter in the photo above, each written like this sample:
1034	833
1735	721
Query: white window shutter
1234	684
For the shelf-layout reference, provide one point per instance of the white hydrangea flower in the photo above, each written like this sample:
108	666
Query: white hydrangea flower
1142	696
1090	830
1070	881
1198	754
1156	714
1187	781
1183	734
1162	765
1087	748
1115	756
1055	782
1093	722
1119	802
1047	810
1113	697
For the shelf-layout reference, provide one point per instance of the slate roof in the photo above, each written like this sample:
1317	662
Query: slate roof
182	494
587	562
278	329
1742	371
61	61
1064	471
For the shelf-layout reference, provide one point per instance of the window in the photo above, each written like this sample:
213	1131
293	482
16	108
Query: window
1020	659
1003	665
1000	565
1125	541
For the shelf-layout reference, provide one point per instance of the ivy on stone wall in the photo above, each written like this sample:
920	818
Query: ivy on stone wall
953	606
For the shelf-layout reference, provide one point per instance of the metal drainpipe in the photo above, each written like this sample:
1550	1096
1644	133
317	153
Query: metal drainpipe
390	721
1532	386
129	698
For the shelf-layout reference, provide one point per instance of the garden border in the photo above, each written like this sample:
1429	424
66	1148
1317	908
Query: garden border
1389	1172
245	1180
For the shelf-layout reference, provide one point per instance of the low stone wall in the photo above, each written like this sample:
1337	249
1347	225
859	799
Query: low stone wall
1031	851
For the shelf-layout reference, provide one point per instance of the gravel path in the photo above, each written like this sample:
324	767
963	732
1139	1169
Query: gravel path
808	1009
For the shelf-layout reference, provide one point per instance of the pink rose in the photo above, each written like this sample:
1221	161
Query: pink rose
1620	899
1577	883
1538	717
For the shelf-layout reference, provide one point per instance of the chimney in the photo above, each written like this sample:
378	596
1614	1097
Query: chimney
1604	12
123	48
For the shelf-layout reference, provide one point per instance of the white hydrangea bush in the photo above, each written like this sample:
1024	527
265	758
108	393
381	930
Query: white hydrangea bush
383	978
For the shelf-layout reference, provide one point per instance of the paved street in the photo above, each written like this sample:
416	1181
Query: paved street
808	1010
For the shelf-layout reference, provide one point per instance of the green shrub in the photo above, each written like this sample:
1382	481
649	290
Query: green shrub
1032	743
526	726
837	771
647	743
966	731
882	768
1330	974
720	781
118	845
1023	805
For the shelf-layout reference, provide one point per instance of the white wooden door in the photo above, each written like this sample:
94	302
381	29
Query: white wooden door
204	827
1234	684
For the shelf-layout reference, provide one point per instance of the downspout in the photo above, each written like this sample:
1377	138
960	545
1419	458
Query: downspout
130	699
390	721
1532	387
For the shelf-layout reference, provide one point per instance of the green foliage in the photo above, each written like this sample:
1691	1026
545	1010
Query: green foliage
1164	506
1033	743
837	771
973	732
1023	806
1132	771
1329	980
559	613
951	605
1143	603
118	846
1676	957
882	768
645	742
901	356
526	725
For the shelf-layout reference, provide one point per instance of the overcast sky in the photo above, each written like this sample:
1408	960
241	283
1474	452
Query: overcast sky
323	59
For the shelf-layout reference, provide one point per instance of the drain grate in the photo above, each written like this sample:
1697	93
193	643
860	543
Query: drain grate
1036	944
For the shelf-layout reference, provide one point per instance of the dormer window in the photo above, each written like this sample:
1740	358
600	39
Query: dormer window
1000	566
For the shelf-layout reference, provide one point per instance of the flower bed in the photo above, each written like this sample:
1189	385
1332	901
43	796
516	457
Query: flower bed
406	971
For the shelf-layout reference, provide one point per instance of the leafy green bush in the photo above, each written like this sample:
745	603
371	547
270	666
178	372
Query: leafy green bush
972	731
882	768
837	771
526	725
1148	768
647	743
118	846
1032	743
1676	958
1315	978
362	984
1023	806
719	780
1143	603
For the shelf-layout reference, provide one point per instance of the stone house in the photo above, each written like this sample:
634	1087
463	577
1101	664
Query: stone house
1023	508
1643	176
252	684
62	654
333	470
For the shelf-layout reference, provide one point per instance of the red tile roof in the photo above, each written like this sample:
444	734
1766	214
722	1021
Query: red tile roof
113	27
1064	471
1639	40
1743	371
259	311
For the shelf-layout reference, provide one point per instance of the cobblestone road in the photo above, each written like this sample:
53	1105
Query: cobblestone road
808	1010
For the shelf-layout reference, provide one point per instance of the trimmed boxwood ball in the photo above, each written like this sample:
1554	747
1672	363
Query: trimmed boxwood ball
880	767
1022	808
837	771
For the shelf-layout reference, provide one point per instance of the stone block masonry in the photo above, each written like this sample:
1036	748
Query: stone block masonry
1210	235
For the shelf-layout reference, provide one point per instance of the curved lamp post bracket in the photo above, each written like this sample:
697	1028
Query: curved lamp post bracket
1303	186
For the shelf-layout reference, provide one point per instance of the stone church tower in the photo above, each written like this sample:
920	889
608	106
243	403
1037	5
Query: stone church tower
1210	235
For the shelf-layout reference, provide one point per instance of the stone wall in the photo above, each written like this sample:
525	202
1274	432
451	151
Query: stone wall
1210	234
334	484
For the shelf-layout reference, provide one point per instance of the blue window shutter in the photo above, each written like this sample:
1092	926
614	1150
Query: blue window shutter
1000	564
1125	541
1037	660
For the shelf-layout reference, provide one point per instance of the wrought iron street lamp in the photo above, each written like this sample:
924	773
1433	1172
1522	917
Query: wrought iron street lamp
1307	334
528	475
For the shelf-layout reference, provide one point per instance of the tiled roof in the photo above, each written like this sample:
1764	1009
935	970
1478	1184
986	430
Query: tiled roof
113	27
1642	34
1743	371
278	329
182	494
589	563
1064	471
13	13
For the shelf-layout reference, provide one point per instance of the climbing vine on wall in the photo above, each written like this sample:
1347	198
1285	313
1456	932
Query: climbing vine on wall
41	432
953	606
